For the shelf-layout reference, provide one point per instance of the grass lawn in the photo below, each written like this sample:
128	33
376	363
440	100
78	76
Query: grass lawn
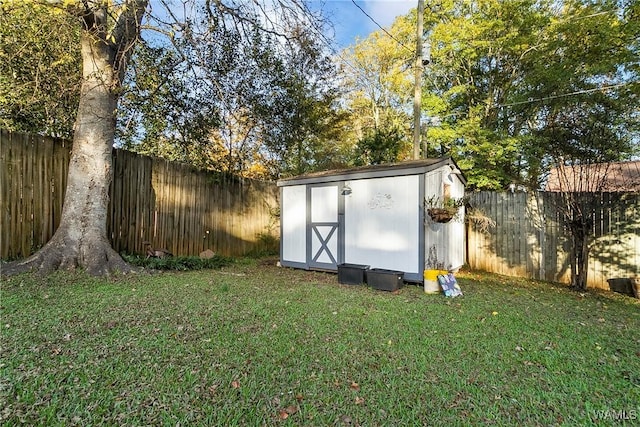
253	344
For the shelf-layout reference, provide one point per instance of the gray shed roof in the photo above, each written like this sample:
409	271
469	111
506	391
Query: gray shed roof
410	167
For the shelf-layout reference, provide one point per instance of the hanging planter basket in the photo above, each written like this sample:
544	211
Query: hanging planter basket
441	215
443	209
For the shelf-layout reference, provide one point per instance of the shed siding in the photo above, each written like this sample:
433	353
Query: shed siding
448	238
382	223
456	246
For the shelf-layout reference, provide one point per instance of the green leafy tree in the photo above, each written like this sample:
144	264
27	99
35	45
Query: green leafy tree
108	35
379	82
502	73
596	47
301	124
166	110
39	70
246	101
379	146
583	88
477	50
529	85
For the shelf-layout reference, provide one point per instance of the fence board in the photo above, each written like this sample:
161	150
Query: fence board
36	177
45	183
6	195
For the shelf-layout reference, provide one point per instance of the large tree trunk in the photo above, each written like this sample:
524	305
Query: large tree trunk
81	239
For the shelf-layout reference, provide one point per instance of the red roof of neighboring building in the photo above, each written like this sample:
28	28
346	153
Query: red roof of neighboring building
597	177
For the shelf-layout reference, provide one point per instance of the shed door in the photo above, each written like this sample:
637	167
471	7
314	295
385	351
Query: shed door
325	229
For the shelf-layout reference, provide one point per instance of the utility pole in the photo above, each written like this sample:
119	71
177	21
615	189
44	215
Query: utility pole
417	94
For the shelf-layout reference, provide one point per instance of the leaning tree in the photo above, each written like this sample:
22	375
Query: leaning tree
110	30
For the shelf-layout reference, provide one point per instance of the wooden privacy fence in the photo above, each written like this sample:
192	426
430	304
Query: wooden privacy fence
529	241
187	211
170	204
34	177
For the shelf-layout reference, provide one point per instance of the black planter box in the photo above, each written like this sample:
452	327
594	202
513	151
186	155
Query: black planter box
385	280
622	285
351	274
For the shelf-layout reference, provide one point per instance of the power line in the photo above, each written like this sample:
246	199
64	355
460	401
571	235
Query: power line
564	95
380	26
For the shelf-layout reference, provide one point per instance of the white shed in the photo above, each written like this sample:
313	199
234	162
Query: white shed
372	215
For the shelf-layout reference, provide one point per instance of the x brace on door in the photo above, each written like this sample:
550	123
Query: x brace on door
324	241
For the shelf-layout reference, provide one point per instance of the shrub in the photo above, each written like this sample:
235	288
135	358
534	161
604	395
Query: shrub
180	263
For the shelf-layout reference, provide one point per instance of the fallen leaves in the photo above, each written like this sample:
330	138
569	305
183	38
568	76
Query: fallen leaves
346	419
283	414
291	409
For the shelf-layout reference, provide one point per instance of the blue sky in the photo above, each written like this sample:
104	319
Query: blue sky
350	22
